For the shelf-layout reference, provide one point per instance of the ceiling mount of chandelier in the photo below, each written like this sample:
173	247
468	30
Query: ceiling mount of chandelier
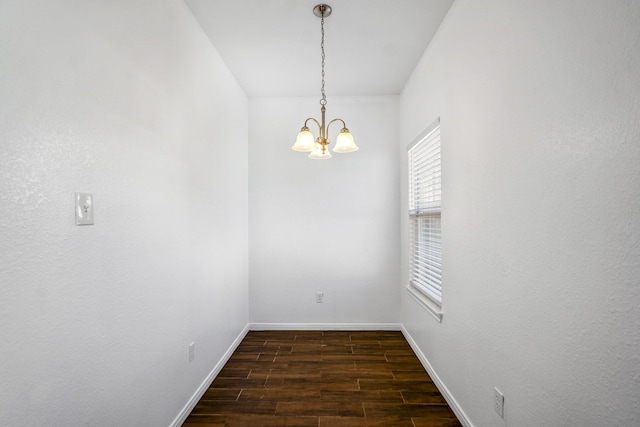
318	147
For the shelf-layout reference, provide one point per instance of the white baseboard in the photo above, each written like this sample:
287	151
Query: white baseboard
186	410
324	326
453	403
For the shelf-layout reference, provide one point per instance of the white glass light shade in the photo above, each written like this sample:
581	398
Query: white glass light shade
319	155
345	142
305	141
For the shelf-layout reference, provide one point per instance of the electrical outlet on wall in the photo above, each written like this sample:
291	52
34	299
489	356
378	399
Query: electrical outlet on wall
319	297
192	351
498	398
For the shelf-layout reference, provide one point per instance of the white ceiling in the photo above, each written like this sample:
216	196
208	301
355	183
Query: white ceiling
273	46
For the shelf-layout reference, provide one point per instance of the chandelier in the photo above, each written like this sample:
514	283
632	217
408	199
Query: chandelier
318	147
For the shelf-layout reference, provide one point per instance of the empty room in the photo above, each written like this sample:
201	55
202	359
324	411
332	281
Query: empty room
454	238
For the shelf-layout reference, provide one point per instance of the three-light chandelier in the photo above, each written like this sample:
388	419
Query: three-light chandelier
305	142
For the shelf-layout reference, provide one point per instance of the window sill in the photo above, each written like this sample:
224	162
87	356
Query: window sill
425	303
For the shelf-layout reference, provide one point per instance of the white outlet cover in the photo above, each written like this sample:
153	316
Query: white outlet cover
84	209
499	402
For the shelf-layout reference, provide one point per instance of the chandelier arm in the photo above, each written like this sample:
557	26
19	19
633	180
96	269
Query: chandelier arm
344	125
315	121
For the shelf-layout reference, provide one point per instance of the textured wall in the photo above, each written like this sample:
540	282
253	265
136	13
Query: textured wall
129	101
323	225
539	104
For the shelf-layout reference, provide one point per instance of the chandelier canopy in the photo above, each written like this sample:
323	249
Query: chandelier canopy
318	147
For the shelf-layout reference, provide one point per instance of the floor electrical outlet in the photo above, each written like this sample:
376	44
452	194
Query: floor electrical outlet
319	297
498	402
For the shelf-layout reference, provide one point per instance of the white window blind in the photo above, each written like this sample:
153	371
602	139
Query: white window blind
425	192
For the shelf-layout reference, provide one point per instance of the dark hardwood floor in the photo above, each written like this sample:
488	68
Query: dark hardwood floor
323	378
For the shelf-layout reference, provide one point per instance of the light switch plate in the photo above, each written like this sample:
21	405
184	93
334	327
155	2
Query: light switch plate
84	209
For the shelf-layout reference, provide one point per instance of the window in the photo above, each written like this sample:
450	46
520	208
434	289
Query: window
425	253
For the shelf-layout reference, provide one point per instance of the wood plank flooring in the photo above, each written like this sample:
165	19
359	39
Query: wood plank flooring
322	379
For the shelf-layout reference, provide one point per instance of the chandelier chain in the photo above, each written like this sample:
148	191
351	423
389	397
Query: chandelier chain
323	101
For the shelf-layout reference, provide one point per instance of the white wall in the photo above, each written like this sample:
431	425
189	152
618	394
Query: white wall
129	101
323	225
539	103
